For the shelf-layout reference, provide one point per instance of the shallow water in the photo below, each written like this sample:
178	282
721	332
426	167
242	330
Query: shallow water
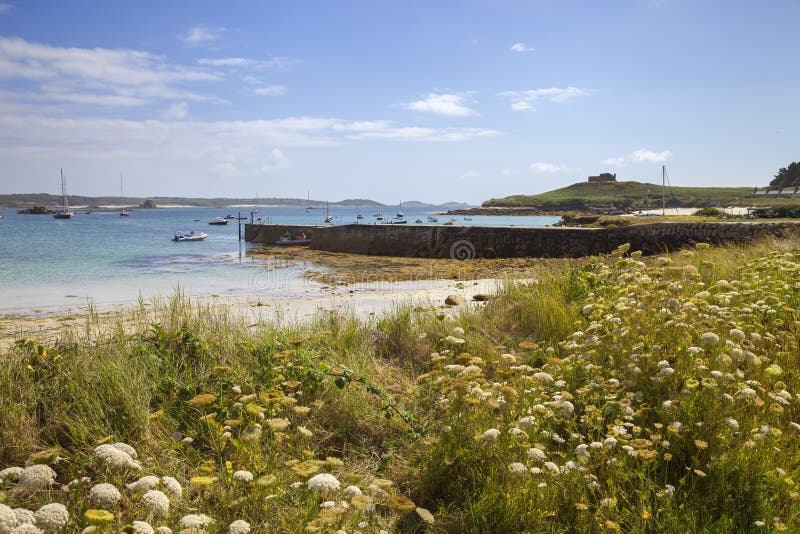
59	266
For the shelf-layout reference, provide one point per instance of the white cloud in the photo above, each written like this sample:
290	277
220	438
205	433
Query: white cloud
639	156
548	167
178	111
200	34
521	47
470	175
97	76
528	99
6	8
272	90
277	62
648	155
442	104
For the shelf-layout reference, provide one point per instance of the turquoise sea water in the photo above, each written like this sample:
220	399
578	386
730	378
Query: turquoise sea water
55	266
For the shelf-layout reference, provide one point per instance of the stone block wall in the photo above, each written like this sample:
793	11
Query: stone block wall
464	242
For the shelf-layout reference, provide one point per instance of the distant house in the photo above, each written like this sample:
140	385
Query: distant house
780	192
605	177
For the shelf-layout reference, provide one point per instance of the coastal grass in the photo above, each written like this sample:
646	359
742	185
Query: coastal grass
616	393
628	195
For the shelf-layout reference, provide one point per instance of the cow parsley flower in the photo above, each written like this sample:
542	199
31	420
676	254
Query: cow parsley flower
239	527
243	476
156	503
144	484
106	495
518	468
490	436
142	527
195	521
24	516
172	487
163	530
27	528
709	338
127	449
352	491
51	517
36	477
536	455
10	473
8	519
115	457
610	442
323	483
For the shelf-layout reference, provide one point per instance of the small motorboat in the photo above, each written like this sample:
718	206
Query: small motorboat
432	219
191	236
448	223
229	216
395	222
467	218
418	221
219	221
287	240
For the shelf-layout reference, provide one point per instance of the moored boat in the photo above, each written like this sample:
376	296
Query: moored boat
287	240
65	212
219	221
190	236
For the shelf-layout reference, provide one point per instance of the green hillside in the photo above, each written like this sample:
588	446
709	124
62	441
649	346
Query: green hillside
628	195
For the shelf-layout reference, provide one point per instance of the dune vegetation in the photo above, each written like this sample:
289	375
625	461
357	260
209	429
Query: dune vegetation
618	394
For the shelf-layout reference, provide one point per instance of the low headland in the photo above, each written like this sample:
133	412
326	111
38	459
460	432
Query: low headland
614	393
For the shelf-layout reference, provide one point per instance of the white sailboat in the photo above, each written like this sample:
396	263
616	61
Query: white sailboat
65	212
400	213
123	212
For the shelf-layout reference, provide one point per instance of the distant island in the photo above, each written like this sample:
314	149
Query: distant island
45	200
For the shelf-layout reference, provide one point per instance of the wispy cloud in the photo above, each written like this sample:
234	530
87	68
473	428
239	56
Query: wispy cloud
639	156
541	167
98	76
442	104
272	90
200	34
177	111
277	62
6	8
521	47
527	100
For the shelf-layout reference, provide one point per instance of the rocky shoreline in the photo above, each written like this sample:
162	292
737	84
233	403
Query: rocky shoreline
502	211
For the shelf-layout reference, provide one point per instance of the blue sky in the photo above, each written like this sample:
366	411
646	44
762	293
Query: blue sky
435	101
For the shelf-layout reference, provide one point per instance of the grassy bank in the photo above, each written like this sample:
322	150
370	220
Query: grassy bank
615	395
627	195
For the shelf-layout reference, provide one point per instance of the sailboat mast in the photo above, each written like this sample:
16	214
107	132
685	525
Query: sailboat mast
63	191
663	189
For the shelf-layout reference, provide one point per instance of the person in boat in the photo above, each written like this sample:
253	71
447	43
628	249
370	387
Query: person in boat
303	236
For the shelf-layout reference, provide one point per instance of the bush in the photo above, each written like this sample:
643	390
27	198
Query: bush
708	212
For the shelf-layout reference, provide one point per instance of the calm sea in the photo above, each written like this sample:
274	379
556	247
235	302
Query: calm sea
51	266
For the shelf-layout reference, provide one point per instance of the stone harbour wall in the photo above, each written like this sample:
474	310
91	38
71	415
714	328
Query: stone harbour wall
462	242
268	234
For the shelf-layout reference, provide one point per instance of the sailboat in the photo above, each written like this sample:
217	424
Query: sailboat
308	201
123	212
65	212
400	213
328	218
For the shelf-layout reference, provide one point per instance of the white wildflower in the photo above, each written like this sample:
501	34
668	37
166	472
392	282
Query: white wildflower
553	468
737	334
490	436
10	473
709	338
127	449
352	491
142	527
527	422
36	477
547	378
156	503
518	468
104	495
163	530
24	516
327	504
323	483
732	423
458	331
582	451
172	487
195	521
536	455
239	527
243	476
27	528
8	519
596	445
759	524
794	425
610	442
143	484
115	457
51	517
